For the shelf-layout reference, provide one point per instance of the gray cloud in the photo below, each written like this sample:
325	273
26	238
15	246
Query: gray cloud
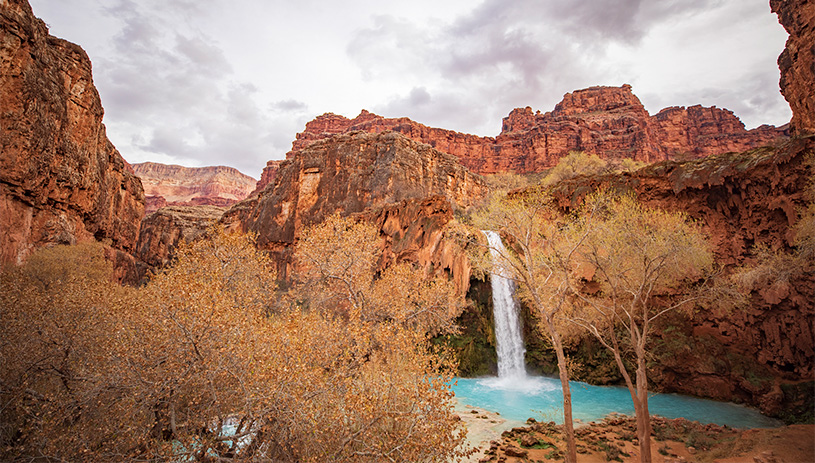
289	106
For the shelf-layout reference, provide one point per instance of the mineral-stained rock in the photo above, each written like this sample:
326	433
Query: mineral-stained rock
354	173
192	186
163	230
797	61
608	121
512	451
61	179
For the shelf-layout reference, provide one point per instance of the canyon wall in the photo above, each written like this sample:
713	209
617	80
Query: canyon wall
192	186
61	179
163	230
608	121
797	61
388	177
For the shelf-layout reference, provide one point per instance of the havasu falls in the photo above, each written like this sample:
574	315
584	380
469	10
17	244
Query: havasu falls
509	343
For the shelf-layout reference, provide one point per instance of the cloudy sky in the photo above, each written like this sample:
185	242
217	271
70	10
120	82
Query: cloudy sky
230	82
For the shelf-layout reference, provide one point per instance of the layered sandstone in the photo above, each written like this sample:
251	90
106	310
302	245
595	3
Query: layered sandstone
192	186
355	173
163	230
742	200
608	121
61	179
797	61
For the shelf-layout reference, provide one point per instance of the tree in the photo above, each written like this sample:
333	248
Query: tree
57	313
336	270
193	345
209	362
388	394
530	222
631	265
573	164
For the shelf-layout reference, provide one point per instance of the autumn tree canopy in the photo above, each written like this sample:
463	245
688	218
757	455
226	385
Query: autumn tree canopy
211	362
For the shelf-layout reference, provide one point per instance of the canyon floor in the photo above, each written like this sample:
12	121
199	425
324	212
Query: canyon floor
614	439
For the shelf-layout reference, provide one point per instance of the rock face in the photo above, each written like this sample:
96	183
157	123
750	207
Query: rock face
355	173
61	179
414	231
797	61
268	175
742	200
608	121
163	230
192	186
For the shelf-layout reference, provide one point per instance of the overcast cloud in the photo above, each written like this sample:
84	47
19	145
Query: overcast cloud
231	82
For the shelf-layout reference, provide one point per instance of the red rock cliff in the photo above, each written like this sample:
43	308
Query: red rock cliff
192	186
357	173
163	230
61	179
608	121
797	61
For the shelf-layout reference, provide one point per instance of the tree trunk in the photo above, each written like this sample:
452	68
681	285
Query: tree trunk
568	424
644	416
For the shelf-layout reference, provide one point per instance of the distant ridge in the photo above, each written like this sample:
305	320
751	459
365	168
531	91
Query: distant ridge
169	184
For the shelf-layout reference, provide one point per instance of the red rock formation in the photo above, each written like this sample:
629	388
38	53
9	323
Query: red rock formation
414	231
61	180
608	121
353	173
797	61
742	200
190	186
268	175
163	230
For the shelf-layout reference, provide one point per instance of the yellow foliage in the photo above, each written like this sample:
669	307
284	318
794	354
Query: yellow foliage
195	366
573	164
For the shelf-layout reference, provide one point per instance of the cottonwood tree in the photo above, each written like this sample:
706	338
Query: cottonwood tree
57	311
631	265
336	270
530	224
194	351
203	364
386	392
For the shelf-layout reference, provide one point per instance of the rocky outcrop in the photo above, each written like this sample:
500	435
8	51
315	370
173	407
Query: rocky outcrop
414	231
742	200
797	61
192	186
608	121
163	230
268	175
61	179
355	173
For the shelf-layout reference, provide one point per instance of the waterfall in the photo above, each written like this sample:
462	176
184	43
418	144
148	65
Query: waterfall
509	343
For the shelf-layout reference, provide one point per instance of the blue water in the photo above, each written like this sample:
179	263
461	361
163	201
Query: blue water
542	398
